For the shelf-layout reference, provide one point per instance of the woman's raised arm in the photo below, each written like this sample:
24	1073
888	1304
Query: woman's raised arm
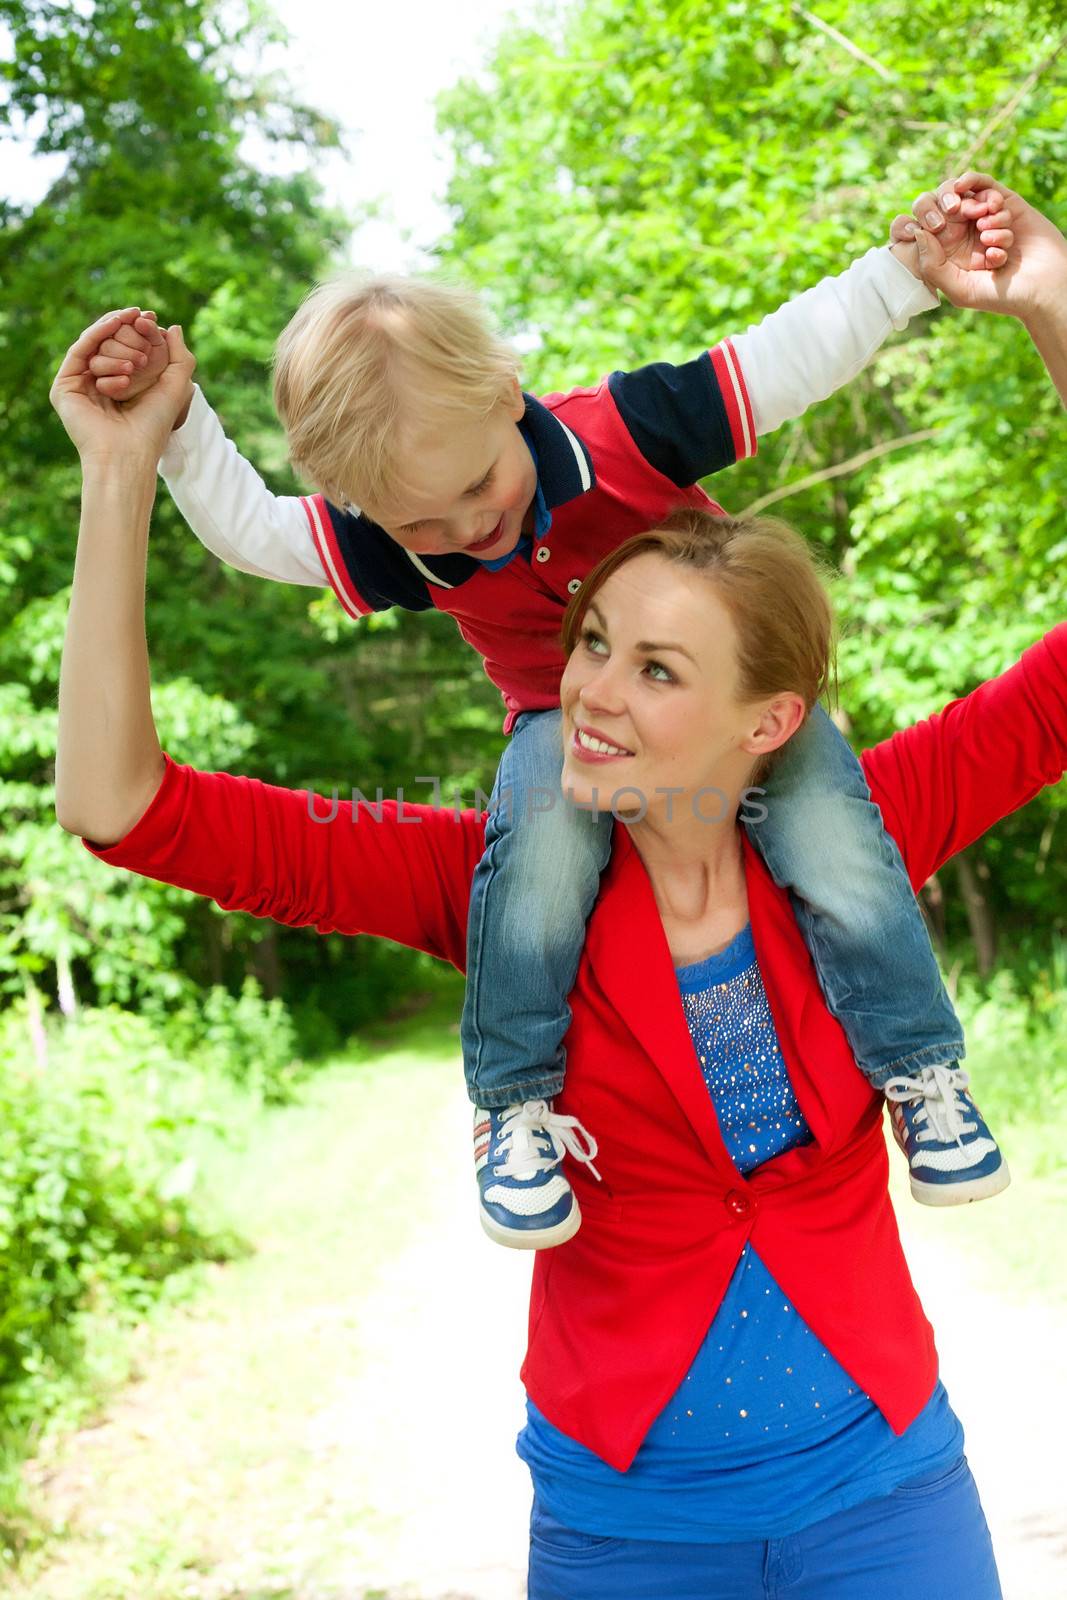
944	782
108	760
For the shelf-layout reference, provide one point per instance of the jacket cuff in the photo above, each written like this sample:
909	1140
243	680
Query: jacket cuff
156	825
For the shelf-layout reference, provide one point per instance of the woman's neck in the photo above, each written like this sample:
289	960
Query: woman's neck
698	879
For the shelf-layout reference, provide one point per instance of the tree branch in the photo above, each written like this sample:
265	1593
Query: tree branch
1009	107
839	470
846	44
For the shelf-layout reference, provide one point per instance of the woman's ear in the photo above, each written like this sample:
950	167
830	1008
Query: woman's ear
777	722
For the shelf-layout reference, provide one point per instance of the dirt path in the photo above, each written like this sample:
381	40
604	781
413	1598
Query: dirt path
325	1429
1004	1363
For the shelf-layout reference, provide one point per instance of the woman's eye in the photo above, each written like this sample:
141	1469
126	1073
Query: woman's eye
659	672
593	642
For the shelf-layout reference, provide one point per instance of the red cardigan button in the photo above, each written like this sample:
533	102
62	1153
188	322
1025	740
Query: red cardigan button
737	1203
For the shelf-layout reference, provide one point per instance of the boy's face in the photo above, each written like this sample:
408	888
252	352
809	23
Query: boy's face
471	491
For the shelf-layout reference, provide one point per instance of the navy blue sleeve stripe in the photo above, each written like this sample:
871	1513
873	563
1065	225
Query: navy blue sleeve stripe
677	417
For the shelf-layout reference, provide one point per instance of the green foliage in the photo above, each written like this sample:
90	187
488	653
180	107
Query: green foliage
245	1038
95	1210
1017	1044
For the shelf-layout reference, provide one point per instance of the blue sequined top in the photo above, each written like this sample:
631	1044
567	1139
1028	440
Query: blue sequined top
767	1433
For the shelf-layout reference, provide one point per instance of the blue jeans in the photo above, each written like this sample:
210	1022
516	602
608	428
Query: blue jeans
532	893
928	1538
822	838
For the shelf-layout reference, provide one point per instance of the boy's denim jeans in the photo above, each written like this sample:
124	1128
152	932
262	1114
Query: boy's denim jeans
822	838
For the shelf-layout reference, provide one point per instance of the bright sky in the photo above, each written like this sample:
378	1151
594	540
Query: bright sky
376	68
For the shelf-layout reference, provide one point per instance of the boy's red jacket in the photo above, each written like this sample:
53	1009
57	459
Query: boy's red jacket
617	1314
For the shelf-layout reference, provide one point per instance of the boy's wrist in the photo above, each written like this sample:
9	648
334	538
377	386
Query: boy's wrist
907	291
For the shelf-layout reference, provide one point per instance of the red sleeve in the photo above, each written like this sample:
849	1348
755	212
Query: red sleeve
402	873
942	783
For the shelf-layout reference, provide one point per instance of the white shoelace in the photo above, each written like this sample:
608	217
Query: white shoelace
942	1110
523	1158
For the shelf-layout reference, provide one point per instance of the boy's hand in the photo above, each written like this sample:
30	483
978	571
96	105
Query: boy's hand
131	360
970	218
101	427
992	251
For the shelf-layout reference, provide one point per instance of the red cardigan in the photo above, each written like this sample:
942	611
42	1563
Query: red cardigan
618	1313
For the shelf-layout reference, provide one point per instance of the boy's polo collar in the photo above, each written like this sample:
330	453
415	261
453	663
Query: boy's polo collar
563	469
564	465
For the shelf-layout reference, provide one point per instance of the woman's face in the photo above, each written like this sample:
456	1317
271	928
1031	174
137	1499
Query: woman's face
650	696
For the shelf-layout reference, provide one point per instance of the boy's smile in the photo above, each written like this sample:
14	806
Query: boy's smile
470	492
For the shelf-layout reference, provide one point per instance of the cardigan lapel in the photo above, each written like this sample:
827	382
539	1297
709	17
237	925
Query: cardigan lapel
808	1036
628	951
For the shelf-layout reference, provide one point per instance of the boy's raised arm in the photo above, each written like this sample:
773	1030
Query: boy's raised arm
813	345
230	509
804	351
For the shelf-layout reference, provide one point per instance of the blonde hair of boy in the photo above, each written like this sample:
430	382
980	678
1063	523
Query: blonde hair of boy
368	364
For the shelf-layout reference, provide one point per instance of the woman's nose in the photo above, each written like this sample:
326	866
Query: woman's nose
603	691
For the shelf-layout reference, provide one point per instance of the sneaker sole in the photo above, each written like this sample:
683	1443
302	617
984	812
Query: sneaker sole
532	1238
961	1194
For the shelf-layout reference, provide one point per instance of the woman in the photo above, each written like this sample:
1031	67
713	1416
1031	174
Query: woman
733	1388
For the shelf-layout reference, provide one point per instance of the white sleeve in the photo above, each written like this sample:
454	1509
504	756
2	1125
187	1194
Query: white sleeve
818	342
230	509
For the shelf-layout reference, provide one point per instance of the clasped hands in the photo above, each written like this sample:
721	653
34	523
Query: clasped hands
124	423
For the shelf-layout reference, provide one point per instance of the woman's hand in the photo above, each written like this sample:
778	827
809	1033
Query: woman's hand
992	251
137	430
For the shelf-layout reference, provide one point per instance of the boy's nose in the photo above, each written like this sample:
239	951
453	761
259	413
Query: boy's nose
476	531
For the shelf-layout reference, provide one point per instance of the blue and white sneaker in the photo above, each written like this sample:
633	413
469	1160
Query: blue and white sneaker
951	1153
526	1202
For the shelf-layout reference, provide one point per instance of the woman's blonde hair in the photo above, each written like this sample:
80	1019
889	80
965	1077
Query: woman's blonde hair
368	361
769	580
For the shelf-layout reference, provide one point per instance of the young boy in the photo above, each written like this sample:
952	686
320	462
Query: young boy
445	487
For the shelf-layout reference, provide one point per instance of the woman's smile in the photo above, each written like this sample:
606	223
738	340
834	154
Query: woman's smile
590	745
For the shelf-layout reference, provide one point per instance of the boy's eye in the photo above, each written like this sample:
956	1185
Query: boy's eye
480	488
